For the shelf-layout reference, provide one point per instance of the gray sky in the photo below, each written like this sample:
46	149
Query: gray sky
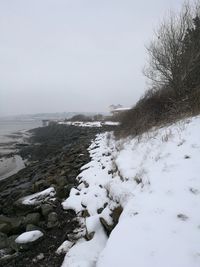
74	55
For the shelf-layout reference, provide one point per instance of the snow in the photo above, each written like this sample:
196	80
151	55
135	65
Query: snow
121	109
28	237
90	124
64	248
85	253
115	123
90	195
83	124
37	198
155	179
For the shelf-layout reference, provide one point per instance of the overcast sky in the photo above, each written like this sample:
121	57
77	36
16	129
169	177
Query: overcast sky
74	55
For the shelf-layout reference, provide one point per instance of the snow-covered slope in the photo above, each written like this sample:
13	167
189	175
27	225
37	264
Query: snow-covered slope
155	179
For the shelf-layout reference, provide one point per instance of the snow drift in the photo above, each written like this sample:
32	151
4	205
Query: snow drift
155	179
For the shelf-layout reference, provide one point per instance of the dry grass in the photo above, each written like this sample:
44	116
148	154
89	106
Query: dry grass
158	108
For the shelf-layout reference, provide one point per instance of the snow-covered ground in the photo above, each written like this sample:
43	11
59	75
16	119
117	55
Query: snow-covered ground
154	178
90	124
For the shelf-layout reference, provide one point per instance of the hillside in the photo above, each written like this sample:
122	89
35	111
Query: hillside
150	183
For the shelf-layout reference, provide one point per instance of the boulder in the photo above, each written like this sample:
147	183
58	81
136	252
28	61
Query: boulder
89	236
52	220
6	254
32	227
39	257
32	218
116	212
39	186
63	192
3	240
46	209
61	181
11	224
85	213
108	227
12	244
5	227
22	209
26	240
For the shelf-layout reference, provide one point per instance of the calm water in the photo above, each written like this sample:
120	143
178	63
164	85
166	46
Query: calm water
12	164
10	126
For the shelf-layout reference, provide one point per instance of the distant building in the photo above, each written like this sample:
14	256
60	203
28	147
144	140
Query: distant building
117	109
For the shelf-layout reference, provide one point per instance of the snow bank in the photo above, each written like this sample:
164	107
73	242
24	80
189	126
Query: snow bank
90	124
28	237
155	179
90	196
83	124
64	248
160	223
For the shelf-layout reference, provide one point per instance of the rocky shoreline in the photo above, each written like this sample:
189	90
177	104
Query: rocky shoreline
55	155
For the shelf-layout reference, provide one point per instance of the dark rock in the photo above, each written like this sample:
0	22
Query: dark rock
39	186
61	181
5	228
89	236
115	217
3	240
21	208
39	257
108	227
32	218
100	210
182	217
52	220
47	161
12	244
63	192
116	214
7	254
13	224
32	227
46	209
85	214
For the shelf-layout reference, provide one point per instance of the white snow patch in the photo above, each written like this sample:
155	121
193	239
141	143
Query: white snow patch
160	224
83	124
36	198
28	237
90	124
115	123
64	248
85	253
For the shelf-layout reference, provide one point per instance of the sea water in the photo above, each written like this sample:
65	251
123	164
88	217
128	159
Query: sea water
10	134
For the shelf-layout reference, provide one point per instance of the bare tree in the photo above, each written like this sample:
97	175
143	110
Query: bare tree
166	66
